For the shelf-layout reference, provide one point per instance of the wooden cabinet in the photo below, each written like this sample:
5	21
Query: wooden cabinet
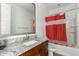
43	49
39	50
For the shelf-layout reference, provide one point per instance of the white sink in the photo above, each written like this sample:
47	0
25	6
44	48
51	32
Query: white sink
30	42
17	48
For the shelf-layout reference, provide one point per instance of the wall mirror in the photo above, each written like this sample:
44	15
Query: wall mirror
17	18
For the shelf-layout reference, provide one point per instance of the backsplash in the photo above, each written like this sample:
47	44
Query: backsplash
12	39
18	38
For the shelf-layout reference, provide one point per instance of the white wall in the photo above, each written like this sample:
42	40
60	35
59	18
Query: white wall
62	9
71	17
77	22
5	18
21	20
41	13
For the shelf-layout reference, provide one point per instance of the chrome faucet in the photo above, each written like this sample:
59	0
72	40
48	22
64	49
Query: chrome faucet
27	37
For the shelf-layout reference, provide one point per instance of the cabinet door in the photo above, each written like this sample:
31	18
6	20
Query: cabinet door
43	49
44	52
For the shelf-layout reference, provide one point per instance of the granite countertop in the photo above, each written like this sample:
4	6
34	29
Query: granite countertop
15	49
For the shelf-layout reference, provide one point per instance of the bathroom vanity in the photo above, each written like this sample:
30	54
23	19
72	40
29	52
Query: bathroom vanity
39	50
32	47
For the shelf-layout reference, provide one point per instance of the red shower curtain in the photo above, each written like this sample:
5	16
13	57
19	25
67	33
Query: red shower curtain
61	32
51	32
56	32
